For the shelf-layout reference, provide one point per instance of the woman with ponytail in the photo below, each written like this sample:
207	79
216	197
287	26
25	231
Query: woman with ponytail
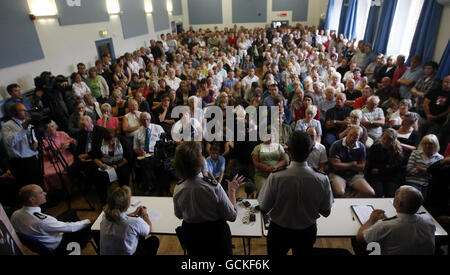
122	233
384	163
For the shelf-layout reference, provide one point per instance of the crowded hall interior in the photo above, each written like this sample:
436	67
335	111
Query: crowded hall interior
152	127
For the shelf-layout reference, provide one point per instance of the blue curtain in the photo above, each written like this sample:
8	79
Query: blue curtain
329	14
426	31
371	27
350	20
444	65
344	8
385	25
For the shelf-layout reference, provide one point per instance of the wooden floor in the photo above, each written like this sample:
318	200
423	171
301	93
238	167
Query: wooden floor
169	245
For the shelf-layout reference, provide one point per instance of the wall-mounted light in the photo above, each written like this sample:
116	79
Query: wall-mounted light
113	6
169	6
148	6
42	8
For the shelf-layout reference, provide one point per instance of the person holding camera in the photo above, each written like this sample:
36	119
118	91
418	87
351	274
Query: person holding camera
22	146
144	146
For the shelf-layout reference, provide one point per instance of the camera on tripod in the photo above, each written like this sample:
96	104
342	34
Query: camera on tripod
164	148
40	117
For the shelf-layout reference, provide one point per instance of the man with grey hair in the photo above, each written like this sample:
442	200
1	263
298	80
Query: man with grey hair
409	232
144	146
373	118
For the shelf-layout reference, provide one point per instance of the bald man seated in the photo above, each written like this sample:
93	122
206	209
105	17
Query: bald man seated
53	233
408	233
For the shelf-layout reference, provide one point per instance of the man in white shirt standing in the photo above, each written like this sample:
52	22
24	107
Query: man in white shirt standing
54	234
249	79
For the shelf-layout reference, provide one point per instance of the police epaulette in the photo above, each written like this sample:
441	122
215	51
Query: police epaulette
39	216
210	181
180	182
388	219
318	171
279	169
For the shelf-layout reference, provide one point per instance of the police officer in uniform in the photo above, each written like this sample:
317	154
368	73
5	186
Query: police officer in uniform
203	205
294	197
51	232
408	233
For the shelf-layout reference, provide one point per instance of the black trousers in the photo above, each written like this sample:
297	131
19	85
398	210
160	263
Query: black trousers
207	238
145	172
280	240
82	237
27	171
147	247
102	181
8	193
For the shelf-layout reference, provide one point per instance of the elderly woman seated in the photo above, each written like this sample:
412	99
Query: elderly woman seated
420	159
107	120
56	158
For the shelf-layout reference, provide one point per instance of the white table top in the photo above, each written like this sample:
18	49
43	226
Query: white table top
343	223
167	223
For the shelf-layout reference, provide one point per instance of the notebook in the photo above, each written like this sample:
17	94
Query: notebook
362	212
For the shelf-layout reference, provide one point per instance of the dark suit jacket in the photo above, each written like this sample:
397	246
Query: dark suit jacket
96	142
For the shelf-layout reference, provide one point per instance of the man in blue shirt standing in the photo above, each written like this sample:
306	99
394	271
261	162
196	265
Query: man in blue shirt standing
21	144
16	97
410	77
370	57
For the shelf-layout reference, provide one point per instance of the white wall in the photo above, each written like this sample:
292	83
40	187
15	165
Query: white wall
315	10
443	34
65	46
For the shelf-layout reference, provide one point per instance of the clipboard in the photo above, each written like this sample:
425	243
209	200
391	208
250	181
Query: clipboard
362	212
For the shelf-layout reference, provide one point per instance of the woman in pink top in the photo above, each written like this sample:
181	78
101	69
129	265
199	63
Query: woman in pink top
107	120
54	141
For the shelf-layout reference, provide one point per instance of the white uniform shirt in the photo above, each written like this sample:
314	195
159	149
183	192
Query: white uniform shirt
404	235
121	238
139	138
31	221
295	197
196	201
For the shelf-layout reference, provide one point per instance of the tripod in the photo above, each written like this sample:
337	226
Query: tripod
60	165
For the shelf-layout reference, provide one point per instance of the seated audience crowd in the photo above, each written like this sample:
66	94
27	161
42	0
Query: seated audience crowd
375	123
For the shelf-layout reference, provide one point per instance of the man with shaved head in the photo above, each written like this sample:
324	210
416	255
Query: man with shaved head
409	232
53	233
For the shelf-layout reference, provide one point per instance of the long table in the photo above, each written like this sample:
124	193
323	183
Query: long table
168	222
343	223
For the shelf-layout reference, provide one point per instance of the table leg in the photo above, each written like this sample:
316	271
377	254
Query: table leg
249	246
243	242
